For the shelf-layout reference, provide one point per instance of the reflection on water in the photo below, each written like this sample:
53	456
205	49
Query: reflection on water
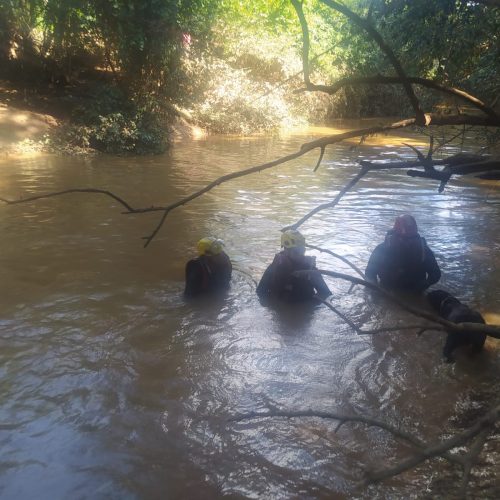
114	387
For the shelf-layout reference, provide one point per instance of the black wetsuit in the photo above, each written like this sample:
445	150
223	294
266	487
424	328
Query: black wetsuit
278	280
403	263
207	273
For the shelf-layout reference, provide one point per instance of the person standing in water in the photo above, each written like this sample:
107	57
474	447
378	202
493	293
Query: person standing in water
211	271
403	261
279	280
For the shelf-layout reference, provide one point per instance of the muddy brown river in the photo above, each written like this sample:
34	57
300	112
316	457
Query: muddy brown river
113	386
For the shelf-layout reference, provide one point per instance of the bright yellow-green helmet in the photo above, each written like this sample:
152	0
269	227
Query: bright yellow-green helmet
292	239
209	246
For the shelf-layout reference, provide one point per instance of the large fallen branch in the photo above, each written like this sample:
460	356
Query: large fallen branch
459	164
360	331
395	80
421	118
490	330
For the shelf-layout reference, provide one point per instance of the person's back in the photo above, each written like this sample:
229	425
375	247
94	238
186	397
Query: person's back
403	261
211	271
279	279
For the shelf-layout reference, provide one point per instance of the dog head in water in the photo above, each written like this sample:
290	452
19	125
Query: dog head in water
438	299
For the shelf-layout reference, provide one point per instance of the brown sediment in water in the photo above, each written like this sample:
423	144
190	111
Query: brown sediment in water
105	363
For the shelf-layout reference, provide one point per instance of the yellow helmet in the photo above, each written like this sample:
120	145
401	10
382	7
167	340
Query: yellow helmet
209	246
291	238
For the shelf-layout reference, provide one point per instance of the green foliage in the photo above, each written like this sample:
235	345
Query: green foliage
140	42
109	122
234	63
454	42
118	133
260	15
247	84
234	103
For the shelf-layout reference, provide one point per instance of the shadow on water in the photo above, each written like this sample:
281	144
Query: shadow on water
294	319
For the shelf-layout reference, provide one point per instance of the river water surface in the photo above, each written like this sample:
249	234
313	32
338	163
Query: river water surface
113	386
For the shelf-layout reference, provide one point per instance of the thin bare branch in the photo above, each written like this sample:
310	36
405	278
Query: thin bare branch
487	422
390	329
340	257
342	316
420	155
445	142
344	418
471	459
431	118
149	238
360	331
320	158
430	151
295	75
332	203
68	191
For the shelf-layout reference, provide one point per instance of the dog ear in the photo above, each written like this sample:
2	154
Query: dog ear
436	297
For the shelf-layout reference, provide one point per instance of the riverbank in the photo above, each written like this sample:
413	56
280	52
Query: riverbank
44	119
38	120
24	128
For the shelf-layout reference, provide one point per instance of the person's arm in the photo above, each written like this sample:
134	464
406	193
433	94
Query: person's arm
319	284
264	286
227	269
194	278
317	279
431	267
374	263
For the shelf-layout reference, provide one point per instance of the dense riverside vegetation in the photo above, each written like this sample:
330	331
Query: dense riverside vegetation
125	69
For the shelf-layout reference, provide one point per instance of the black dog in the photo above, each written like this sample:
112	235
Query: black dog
450	308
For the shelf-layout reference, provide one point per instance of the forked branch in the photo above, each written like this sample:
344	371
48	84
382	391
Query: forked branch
481	430
484	425
396	80
69	191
